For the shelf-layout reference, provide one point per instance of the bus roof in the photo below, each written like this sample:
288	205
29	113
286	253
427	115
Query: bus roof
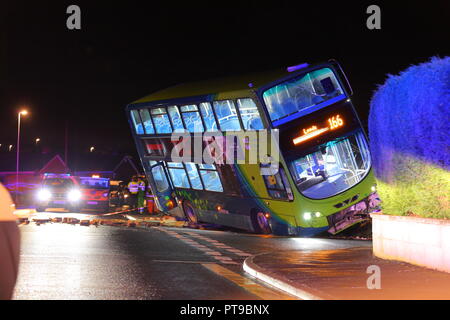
222	87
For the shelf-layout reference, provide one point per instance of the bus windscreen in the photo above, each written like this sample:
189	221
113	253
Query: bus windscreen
301	93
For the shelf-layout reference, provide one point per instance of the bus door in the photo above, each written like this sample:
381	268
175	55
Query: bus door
161	186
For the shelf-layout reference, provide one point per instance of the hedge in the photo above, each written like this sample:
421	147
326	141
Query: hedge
409	132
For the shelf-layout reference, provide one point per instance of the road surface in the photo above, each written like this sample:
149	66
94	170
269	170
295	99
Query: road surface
62	261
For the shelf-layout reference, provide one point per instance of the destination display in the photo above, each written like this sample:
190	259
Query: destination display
318	127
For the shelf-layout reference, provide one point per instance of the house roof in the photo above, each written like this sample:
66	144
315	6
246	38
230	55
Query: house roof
95	162
41	163
28	161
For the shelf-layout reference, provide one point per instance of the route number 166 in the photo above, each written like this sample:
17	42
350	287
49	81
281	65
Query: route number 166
335	122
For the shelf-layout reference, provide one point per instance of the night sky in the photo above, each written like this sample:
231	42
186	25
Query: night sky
127	49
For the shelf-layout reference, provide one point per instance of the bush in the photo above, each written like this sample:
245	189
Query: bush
409	127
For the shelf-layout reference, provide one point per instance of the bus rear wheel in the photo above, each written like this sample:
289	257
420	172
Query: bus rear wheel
260	223
189	212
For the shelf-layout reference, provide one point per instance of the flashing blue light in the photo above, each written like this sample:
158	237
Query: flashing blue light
297	67
57	175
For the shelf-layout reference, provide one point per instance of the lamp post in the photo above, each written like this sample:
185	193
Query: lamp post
21	113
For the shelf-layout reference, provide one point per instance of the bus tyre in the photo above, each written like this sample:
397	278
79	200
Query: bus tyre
260	223
189	212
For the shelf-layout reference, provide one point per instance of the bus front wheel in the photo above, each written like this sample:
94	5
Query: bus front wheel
260	222
189	212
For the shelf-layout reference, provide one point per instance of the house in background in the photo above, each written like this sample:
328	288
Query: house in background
34	165
106	166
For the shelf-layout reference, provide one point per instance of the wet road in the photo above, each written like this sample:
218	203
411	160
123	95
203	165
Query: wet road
61	261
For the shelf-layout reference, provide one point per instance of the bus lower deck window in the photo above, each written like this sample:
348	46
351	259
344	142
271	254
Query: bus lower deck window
210	178
194	177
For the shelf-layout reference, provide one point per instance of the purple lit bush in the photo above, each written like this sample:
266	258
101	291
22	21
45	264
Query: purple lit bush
409	129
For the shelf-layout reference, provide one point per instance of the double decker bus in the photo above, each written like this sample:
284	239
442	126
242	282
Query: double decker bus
323	182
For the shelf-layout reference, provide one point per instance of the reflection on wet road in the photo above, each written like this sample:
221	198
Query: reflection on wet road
62	261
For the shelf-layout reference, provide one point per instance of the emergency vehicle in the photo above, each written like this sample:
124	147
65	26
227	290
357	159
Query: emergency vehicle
58	191
95	193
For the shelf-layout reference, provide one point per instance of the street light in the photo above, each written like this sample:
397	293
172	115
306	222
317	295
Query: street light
21	113
92	149
37	140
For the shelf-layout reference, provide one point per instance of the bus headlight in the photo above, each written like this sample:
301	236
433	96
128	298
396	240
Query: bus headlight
44	195
318	214
307	215
374	188
74	195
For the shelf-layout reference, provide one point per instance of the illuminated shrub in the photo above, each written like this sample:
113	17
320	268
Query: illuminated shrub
409	129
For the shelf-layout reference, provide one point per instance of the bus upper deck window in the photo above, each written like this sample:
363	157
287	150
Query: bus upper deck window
191	118
137	122
249	114
208	116
161	120
227	115
176	119
148	125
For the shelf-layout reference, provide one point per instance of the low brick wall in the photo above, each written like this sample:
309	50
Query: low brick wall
420	241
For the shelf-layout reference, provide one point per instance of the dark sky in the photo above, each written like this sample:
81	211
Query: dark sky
127	49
